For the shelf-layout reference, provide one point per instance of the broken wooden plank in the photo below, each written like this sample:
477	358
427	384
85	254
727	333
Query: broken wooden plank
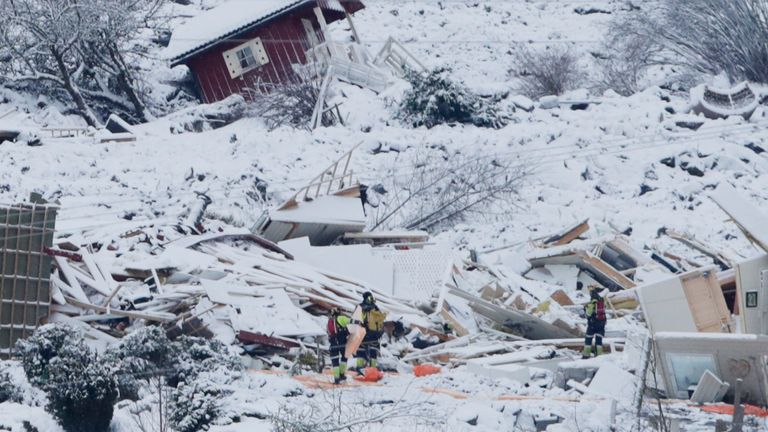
165	317
568	235
62	253
262	339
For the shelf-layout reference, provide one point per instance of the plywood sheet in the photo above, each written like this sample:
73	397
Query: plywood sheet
706	302
665	306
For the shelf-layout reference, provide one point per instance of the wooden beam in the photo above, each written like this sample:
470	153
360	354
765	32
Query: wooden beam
118	312
352	26
262	339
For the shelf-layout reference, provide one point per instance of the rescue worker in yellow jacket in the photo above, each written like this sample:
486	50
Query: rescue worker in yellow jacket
371	318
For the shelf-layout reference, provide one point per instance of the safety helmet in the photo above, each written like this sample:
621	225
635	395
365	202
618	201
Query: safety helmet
368	297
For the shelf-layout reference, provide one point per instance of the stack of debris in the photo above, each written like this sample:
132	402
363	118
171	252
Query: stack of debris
270	289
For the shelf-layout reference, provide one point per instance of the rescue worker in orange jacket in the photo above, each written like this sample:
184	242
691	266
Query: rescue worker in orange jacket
596	319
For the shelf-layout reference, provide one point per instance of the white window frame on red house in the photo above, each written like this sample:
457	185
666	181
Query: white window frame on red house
245	57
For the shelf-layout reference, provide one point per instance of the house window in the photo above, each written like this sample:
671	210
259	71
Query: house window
245	57
687	369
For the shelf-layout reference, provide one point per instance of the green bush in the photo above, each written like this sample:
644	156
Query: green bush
82	391
9	390
138	357
436	99
203	370
196	405
44	345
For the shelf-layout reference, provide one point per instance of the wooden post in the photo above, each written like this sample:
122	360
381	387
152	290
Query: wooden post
324	29
352	26
738	408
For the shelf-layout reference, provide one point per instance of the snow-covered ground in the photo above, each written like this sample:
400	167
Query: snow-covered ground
603	163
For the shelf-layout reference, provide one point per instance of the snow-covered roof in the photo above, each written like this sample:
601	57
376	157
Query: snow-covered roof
222	21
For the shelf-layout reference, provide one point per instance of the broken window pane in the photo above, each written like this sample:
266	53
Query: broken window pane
688	368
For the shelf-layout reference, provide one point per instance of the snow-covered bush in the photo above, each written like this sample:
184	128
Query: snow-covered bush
195	405
14	386
38	350
194	355
435	99
9	389
550	71
138	357
81	390
203	370
706	36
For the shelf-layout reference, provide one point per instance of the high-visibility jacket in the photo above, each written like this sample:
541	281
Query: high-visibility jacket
595	309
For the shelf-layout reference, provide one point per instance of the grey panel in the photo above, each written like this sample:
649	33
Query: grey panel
25	270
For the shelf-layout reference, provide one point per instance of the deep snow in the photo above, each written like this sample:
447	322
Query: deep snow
586	164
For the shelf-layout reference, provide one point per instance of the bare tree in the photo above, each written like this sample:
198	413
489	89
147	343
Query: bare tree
625	68
550	71
328	412
151	413
438	190
709	36
76	49
291	103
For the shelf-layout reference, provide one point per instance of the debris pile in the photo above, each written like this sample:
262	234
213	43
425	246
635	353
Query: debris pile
269	292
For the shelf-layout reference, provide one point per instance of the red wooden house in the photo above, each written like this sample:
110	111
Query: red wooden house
245	45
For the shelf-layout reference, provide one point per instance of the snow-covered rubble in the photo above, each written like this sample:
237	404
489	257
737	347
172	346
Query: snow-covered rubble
630	166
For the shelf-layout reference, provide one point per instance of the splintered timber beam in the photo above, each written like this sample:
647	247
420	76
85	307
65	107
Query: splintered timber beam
262	339
568	235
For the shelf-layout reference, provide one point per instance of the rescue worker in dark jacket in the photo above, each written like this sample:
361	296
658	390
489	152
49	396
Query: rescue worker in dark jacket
337	338
372	319
596	318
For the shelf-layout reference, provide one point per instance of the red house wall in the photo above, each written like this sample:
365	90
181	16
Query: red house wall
285	42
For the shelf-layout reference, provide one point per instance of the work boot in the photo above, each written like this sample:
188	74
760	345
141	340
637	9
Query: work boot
339	380
359	366
343	370
599	350
586	352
